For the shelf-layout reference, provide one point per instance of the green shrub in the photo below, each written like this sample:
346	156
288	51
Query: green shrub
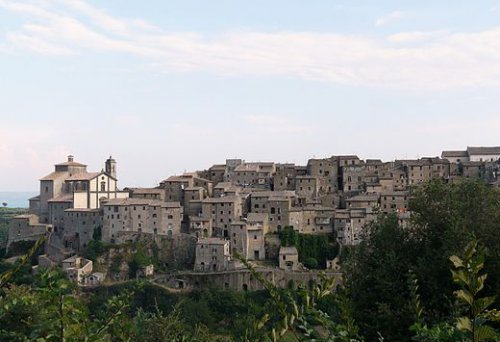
311	263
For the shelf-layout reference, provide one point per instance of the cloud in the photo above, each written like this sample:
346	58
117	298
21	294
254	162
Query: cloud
417	36
389	18
410	60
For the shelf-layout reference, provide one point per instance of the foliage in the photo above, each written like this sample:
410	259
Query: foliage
23	261
467	276
139	259
445	217
320	247
296	314
311	263
380	263
97	233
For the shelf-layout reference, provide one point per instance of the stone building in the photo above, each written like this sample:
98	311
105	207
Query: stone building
326	171
455	157
258	175
174	187
347	160
222	211
284	177
483	154
226	189
306	188
212	255
418	171
247	239
276	204
312	219
26	228
473	169
368	201
353	177
289	258
216	173
394	201
70	183
147	193
80	226
350	224
77	269
201	227
142	216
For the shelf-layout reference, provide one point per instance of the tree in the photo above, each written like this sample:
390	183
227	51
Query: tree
4	204
444	218
376	276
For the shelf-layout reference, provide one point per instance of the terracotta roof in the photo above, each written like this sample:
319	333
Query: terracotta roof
223	185
182	178
455	154
84	176
317	208
483	150
62	198
211	241
221	167
363	198
225	199
70	164
145	190
395	193
283	193
347	157
170	205
194	188
133	201
288	250
82	210
54	175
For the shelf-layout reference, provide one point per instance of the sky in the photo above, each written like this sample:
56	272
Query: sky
171	86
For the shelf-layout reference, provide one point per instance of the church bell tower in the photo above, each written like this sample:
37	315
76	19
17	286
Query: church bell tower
111	167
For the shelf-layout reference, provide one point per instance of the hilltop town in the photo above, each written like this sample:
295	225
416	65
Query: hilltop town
199	226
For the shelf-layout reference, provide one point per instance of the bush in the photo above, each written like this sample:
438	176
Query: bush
311	263
94	250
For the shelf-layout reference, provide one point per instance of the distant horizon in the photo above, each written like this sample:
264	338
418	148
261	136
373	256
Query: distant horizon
16	199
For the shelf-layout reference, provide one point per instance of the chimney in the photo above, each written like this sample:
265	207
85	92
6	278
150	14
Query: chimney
70	158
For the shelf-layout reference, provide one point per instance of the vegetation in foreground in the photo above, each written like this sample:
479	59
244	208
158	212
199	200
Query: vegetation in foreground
437	280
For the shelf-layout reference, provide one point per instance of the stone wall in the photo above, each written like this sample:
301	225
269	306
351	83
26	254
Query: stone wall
241	280
177	252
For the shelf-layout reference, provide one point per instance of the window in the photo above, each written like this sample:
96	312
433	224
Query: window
103	186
